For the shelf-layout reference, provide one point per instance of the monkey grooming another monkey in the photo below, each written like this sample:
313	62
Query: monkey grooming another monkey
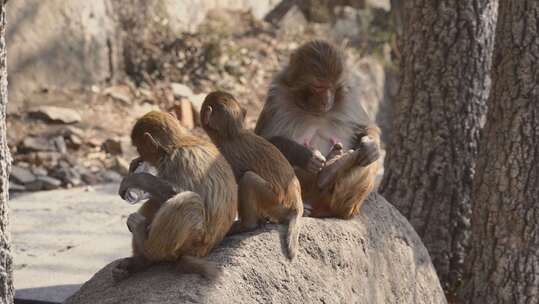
313	115
268	186
193	198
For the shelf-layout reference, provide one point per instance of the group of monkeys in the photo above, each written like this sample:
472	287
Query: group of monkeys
314	146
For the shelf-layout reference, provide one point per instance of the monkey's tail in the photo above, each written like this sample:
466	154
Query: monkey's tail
293	234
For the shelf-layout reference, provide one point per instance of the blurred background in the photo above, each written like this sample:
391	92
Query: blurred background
81	72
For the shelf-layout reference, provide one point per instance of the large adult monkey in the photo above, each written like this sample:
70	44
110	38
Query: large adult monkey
193	198
314	116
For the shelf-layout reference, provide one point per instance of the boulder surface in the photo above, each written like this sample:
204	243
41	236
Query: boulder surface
374	258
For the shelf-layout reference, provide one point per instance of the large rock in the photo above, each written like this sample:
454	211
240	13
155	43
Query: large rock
59	43
187	15
375	258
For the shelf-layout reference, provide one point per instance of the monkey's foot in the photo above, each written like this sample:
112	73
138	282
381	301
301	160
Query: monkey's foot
369	152
239	227
335	152
316	162
121	271
328	175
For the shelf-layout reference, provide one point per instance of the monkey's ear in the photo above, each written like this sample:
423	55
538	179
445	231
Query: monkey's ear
243	113
206	116
150	143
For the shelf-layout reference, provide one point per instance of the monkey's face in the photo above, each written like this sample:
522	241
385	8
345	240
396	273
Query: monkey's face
314	74
221	114
320	96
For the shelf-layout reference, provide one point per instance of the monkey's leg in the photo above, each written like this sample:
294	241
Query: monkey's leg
148	210
349	193
138	225
367	153
178	226
253	193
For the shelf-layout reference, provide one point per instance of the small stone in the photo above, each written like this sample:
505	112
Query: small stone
48	158
60	144
33	143
112	146
14	187
56	114
66	174
74	141
49	183
39	171
21	175
196	101
180	90
183	110
94	142
90	178
120	92
34	186
72	130
121	165
112	176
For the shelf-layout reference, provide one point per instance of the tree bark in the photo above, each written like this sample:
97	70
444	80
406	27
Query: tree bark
446	58
503	266
6	262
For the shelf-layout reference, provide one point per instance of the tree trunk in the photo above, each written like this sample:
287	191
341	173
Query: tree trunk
503	266
446	59
6	262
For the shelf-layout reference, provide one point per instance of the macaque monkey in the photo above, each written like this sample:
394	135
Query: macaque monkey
193	198
313	115
268	187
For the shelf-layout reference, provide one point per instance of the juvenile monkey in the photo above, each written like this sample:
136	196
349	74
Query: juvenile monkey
193	198
313	115
267	184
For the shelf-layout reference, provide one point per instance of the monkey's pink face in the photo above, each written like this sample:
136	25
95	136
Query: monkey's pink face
319	97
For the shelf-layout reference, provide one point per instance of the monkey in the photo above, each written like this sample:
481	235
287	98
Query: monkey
193	198
313	115
268	186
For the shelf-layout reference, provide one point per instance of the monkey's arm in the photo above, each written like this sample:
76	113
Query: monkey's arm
158	188
297	154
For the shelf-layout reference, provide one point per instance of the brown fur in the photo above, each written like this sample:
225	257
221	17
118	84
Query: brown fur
290	112
267	182
197	218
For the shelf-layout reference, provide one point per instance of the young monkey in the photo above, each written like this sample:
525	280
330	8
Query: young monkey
268	186
193	198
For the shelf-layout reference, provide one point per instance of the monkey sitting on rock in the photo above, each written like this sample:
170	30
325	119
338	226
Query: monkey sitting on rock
193	198
268	186
313	115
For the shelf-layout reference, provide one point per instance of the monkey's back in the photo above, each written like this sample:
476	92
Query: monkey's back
250	152
202	169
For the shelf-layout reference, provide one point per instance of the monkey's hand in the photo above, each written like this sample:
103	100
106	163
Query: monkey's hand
137	223
134	164
339	162
368	152
316	162
130	181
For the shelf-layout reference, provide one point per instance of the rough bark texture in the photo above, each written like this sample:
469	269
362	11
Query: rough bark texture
503	265
446	58
6	262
